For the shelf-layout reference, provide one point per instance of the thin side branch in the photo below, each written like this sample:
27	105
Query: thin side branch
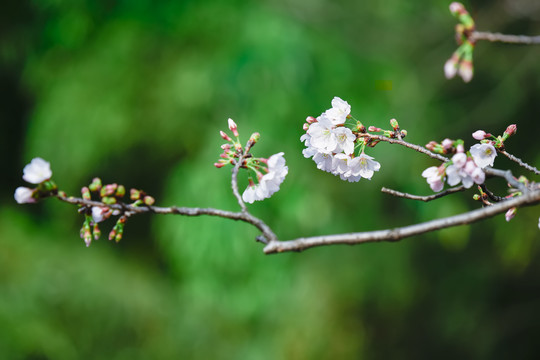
511	39
418	148
507	175
423	198
531	198
520	162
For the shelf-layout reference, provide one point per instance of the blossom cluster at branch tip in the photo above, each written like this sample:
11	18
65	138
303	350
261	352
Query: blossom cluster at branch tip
332	145
38	172
269	173
268	183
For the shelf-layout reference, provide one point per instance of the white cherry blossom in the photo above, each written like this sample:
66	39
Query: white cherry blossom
483	154
37	171
339	111
23	195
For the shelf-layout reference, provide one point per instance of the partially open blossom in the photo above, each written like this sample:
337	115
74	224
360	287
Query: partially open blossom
434	177
100	213
24	195
268	183
37	171
483	154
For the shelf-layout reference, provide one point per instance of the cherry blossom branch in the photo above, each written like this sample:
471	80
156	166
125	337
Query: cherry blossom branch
392	235
519	162
423	198
510	39
129	210
418	148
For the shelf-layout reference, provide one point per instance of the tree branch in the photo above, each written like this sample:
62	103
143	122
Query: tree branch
418	148
511	39
423	198
519	162
531	198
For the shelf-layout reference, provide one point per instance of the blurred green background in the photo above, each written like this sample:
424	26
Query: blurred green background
136	91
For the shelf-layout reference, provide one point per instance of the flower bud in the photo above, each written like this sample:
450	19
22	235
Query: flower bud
305	127
225	136
219	165
255	137
447	144
479	135
450	67
360	127
511	130
476	197
108	190
233	127
134	194
431	145
120	191
148	200
465	70
85	192
457	8
311	120
394	124
374	129
403	133
510	214
96	232
95	185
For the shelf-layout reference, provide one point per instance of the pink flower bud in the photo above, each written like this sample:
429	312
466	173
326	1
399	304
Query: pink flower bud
219	165
511	130
311	120
431	145
460	148
447	144
457	8
479	135
450	67
226	147
305	127
233	127
374	129
225	136
510	214
465	70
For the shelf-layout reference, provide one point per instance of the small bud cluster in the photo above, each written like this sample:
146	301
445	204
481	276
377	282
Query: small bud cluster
38	171
269	173
461	61
108	194
340	150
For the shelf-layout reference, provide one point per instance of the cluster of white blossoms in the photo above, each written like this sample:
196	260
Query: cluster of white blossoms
332	145
268	183
462	168
36	172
